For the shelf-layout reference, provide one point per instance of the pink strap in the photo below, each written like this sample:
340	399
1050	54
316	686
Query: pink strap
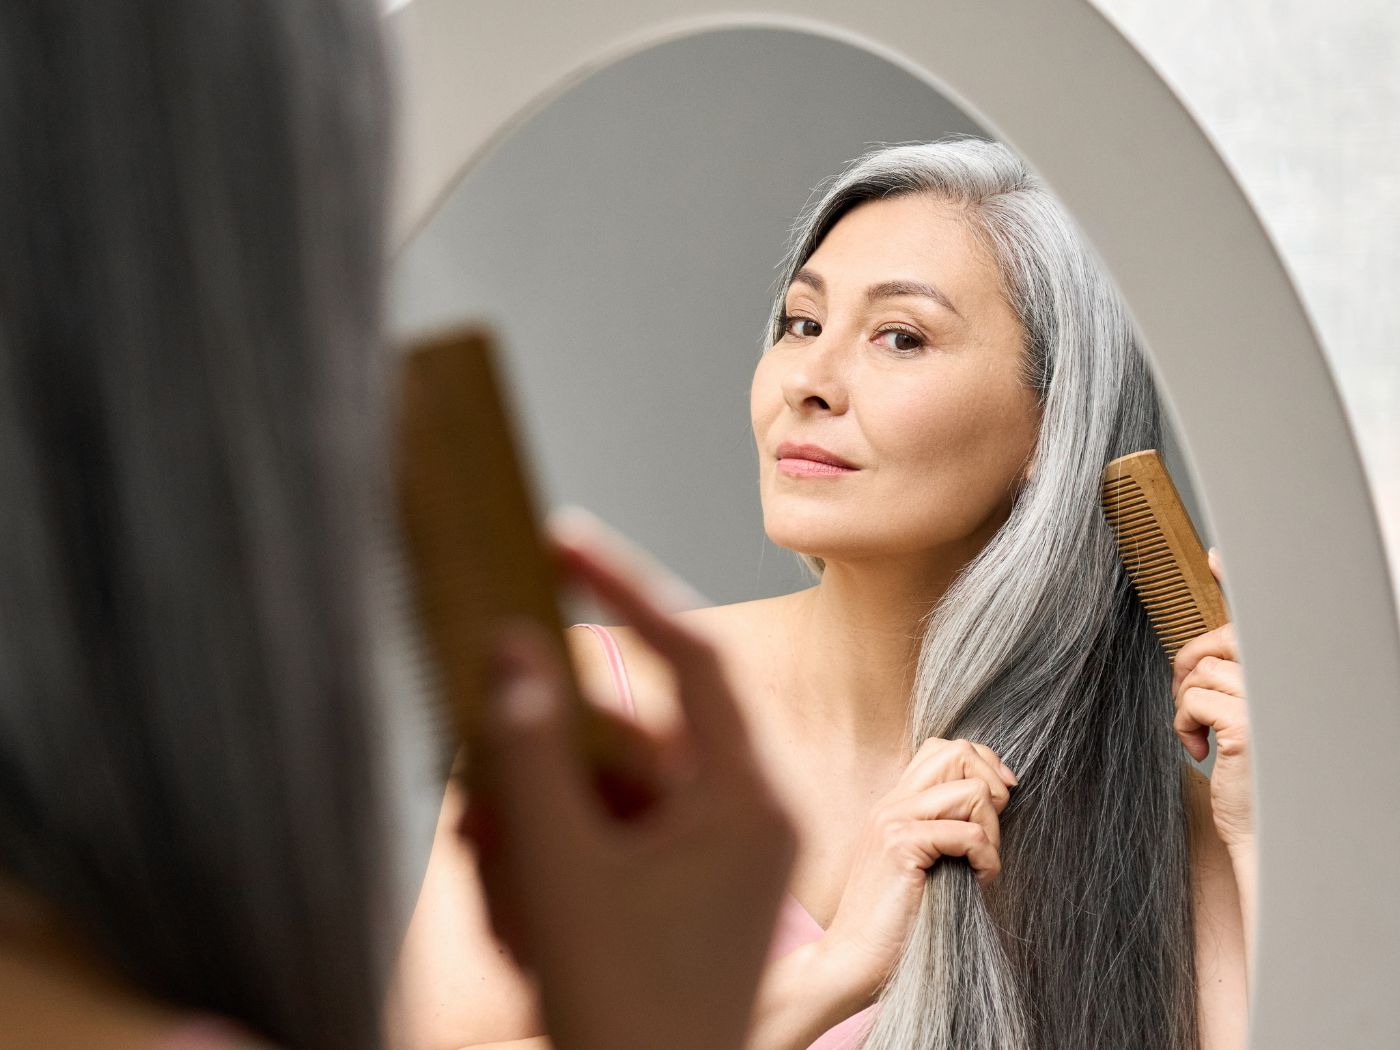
616	666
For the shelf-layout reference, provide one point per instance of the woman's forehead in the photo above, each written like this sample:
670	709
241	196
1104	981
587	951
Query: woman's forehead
912	240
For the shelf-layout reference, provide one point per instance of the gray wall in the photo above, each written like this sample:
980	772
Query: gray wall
624	242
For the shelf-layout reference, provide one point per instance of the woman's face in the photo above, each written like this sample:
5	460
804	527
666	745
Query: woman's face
901	360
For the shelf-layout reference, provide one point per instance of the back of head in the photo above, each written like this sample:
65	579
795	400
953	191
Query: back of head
191	202
1041	649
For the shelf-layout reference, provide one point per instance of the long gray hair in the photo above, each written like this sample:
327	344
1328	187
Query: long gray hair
191	202
1041	650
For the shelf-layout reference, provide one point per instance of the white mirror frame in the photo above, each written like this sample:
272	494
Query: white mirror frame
1246	383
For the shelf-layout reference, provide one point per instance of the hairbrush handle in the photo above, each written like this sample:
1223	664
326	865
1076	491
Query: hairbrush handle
1161	550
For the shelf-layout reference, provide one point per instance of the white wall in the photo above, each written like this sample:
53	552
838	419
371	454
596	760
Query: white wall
1303	100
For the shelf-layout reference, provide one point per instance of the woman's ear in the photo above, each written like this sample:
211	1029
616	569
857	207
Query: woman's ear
1028	468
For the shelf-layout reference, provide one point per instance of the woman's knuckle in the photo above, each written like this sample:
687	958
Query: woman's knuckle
883	816
893	834
1232	748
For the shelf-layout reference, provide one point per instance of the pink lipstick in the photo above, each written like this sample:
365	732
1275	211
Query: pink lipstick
811	461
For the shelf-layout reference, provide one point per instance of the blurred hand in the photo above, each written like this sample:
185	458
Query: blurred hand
1208	686
643	931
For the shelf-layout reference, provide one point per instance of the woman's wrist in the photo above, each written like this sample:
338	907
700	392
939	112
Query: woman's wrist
1244	858
840	978
803	994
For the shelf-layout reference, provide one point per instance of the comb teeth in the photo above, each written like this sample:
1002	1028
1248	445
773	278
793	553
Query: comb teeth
1160	550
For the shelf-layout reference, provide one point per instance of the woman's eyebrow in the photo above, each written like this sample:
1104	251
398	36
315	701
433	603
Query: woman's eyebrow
894	289
883	290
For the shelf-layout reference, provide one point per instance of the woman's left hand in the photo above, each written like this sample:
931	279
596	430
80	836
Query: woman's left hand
1208	687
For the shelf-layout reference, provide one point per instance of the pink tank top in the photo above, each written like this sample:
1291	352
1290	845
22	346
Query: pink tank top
795	926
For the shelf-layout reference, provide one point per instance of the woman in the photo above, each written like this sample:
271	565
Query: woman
946	374
193	816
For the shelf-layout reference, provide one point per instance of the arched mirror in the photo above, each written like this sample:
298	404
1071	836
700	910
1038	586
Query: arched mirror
613	188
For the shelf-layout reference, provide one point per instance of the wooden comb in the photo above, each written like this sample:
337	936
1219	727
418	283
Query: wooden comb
476	554
467	516
1161	550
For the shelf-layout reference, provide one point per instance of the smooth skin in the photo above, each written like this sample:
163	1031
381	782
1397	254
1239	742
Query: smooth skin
902	357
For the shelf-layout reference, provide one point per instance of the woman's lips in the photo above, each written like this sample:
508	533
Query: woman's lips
809	468
811	461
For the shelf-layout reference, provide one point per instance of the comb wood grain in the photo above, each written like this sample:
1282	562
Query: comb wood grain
468	517
1161	550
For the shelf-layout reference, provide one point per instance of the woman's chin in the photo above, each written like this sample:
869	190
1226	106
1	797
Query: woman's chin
819	543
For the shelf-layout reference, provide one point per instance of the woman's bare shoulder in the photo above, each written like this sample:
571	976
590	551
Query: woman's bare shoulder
738	632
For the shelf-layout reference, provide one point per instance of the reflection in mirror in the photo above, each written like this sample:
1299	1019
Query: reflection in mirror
625	241
628	242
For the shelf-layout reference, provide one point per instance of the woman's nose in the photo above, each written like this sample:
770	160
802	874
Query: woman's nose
814	381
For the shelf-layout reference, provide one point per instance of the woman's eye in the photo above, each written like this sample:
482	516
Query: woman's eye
904	342
794	326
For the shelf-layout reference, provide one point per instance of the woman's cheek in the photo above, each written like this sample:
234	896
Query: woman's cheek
765	398
945	465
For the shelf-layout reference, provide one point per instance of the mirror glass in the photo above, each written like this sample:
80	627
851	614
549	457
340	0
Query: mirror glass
625	237
624	242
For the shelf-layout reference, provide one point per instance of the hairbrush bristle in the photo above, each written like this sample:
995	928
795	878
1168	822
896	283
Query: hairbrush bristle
1160	549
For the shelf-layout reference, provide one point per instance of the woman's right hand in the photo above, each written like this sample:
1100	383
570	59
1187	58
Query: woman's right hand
946	803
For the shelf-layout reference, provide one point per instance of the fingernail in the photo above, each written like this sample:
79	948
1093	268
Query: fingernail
1011	773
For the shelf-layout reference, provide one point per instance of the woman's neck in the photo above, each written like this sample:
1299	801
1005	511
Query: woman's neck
853	647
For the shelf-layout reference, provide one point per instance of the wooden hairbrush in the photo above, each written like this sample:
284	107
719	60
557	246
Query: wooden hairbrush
1160	549
476	553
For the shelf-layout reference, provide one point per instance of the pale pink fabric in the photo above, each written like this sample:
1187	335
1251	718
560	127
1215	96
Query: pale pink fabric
795	925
